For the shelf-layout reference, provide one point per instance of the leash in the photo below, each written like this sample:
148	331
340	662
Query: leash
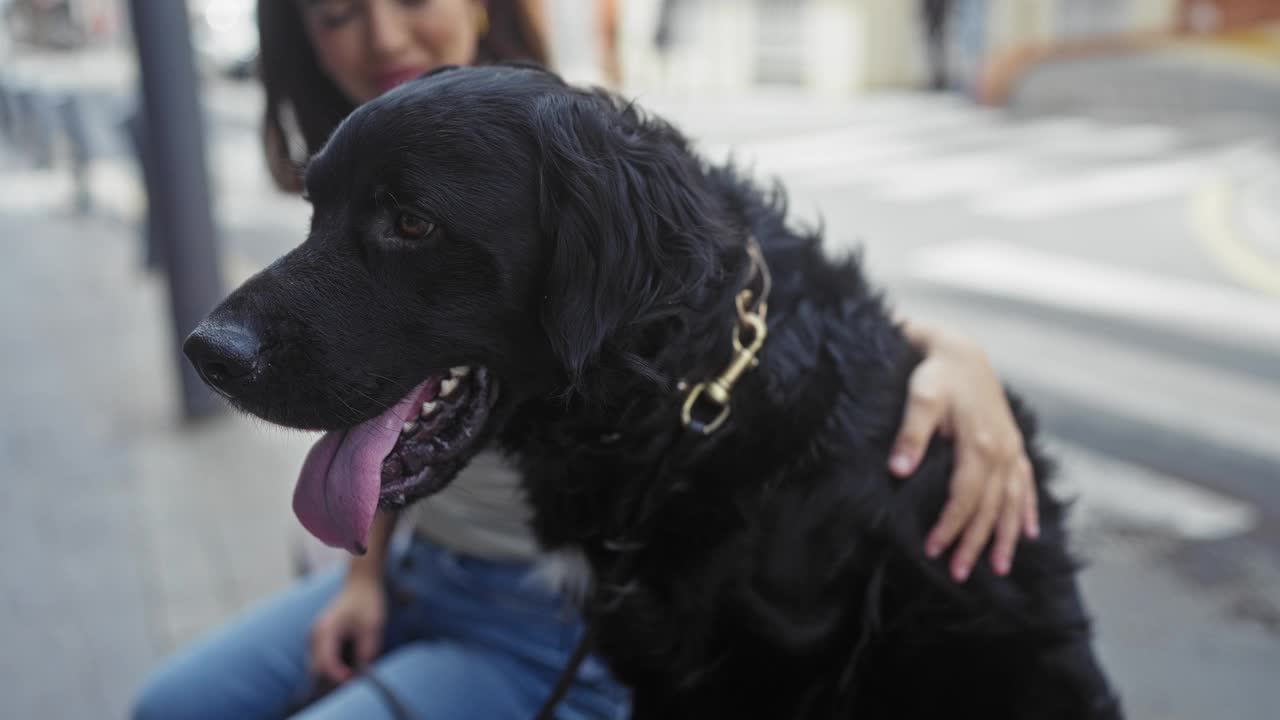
568	674
753	311
711	396
398	709
320	688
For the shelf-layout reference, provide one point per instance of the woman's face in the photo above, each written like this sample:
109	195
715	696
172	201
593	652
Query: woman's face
369	46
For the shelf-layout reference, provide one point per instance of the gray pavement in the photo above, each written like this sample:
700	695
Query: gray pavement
125	533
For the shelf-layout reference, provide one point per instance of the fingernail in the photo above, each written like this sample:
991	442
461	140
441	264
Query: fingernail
1002	566
932	549
900	463
960	572
1034	530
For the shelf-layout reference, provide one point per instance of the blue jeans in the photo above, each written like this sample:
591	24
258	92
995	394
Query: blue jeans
465	638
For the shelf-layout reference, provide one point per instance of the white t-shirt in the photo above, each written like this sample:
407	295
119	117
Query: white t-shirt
482	513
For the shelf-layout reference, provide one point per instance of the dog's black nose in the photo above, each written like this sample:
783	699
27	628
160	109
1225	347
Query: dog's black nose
225	355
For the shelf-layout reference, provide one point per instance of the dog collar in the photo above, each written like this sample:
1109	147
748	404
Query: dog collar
707	404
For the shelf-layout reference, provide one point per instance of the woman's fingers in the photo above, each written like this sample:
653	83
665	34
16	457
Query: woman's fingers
1013	509
368	642
326	652
925	411
977	531
993	501
967	491
1031	512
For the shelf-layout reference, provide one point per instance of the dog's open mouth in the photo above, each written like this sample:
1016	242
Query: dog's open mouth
413	449
435	442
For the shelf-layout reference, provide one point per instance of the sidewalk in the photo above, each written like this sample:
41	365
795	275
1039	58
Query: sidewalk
124	534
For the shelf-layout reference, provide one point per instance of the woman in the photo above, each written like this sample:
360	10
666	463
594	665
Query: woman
457	627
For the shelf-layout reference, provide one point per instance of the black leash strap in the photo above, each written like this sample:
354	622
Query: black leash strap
321	687
645	510
397	708
569	674
752	311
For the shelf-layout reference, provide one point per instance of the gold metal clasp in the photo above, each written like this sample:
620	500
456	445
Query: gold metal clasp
686	413
717	391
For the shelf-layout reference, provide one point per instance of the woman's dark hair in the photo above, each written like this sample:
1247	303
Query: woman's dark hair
296	85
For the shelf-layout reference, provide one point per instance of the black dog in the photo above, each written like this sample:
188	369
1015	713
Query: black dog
498	257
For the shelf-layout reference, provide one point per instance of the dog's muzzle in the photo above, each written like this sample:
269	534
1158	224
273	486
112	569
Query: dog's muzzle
227	356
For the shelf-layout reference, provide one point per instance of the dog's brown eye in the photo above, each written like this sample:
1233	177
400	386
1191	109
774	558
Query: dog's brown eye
413	227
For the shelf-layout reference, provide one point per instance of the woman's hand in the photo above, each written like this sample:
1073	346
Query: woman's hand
357	615
956	392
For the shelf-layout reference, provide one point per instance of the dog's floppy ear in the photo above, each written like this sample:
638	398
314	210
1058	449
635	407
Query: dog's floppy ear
626	208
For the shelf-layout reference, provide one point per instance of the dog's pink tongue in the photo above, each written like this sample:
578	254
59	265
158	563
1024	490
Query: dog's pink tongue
337	491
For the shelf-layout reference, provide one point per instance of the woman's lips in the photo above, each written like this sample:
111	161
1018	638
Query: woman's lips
387	79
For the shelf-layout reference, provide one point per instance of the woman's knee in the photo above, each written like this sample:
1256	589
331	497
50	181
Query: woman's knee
189	689
163	695
250	667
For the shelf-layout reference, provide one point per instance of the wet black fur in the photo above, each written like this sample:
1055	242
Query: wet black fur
589	259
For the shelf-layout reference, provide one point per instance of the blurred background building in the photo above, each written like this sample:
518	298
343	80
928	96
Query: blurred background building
1090	188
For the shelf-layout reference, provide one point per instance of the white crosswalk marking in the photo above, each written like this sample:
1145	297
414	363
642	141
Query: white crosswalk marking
1118	492
932	178
1103	188
815	154
918	149
1062	281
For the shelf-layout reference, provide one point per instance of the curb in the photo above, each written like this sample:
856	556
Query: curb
1004	71
1249	49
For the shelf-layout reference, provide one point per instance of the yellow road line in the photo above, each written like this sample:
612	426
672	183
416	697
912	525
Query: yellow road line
1214	227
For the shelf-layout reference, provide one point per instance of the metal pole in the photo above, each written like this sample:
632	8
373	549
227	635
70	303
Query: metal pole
152	252
179	186
8	112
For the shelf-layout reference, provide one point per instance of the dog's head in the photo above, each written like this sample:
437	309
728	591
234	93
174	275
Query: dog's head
480	236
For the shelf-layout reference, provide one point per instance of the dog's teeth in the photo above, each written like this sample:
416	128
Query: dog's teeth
460	372
428	407
410	427
448	386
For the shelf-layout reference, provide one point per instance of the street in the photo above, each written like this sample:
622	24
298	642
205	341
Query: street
1125	277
